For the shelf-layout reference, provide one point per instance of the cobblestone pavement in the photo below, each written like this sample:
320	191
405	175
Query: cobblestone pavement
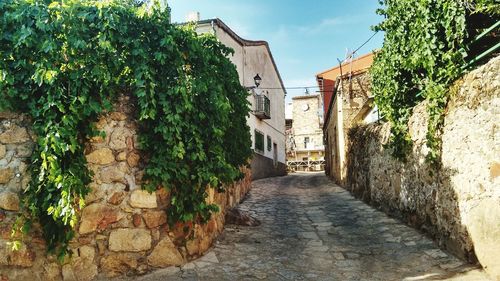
314	230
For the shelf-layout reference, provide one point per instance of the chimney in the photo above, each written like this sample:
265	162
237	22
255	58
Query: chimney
193	16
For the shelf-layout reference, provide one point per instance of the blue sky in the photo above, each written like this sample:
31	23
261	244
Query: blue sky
306	37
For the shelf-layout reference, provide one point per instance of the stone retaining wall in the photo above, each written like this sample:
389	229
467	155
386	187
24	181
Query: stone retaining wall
123	229
457	203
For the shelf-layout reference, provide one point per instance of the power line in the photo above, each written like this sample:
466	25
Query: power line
341	62
289	88
357	49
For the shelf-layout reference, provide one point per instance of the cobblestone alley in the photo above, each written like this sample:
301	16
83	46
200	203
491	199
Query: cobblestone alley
314	230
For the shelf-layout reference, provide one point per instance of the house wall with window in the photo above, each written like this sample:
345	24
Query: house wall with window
347	89
268	134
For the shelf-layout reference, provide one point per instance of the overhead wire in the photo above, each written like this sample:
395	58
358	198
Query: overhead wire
358	48
340	63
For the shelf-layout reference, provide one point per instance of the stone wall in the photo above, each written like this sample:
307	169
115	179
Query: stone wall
457	203
307	126
123	230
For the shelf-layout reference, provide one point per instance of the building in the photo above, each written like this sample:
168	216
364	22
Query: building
305	151
347	102
253	59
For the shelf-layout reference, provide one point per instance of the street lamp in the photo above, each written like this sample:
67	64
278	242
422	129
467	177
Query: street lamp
256	80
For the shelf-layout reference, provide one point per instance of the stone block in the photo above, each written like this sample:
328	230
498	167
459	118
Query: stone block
101	123
24	257
494	170
136	220
103	156
9	201
97	139
24	150
96	193
484	228
114	173
117	197
3	151
81	266
133	159
165	254
6	175
193	247
118	140
116	264
122	156
154	218
15	134
130	240
52	271
118	116
205	243
163	197
98	216
143	199
8	115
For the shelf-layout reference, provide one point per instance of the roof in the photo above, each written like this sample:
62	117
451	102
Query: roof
362	62
245	42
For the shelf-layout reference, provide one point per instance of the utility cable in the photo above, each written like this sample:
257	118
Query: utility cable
340	63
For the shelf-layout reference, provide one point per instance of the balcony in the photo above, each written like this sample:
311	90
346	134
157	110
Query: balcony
262	107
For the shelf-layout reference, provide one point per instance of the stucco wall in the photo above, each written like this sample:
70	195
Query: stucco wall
258	61
251	60
457	203
351	102
122	229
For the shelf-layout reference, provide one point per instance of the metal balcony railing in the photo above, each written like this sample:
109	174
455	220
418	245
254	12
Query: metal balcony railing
262	107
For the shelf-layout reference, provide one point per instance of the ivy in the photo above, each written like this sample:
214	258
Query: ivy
422	54
64	62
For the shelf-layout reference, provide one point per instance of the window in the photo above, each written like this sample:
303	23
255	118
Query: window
306	141
269	143
259	141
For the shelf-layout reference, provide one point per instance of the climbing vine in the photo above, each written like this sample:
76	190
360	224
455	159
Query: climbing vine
63	63
422	54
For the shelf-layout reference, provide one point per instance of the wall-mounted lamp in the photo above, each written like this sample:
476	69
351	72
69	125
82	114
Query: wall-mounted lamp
257	80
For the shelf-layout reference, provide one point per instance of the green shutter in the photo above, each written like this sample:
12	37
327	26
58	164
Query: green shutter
259	141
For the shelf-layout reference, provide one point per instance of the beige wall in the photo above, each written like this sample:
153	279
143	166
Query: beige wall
350	105
258	61
249	61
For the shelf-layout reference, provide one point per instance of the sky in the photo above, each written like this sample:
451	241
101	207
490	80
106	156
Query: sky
305	37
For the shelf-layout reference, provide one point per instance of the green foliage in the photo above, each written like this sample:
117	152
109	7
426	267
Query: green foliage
422	55
64	62
491	7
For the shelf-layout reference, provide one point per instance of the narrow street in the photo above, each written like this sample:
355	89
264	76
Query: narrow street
311	229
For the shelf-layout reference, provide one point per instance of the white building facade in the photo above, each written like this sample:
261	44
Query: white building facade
267	116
